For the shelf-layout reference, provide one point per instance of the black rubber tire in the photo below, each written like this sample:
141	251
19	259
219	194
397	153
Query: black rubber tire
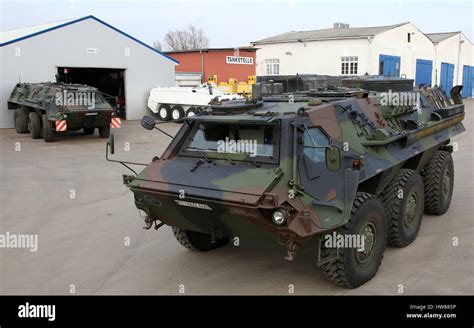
345	271
434	174
104	132
197	241
191	111
35	125
403	187
48	132
179	110
88	131
21	120
166	117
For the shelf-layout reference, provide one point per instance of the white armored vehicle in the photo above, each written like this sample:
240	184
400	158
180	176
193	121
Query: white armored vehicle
172	103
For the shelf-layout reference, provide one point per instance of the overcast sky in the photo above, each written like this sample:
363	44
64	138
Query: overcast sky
237	23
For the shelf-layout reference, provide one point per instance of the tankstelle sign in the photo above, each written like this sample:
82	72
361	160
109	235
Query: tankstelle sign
239	60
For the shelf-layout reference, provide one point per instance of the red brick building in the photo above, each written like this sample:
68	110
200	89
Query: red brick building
237	63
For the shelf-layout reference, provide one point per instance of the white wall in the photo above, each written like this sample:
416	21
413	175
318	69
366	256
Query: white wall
394	42
67	46
453	52
314	57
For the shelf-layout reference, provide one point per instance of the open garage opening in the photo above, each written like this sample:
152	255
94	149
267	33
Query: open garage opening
109	81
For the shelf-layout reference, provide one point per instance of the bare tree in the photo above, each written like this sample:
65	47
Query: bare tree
190	38
157	45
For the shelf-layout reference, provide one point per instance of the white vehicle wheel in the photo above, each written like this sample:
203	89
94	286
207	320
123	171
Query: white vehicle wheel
191	111
164	113
177	112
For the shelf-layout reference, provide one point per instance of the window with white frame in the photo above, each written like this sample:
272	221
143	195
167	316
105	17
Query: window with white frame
273	66
349	65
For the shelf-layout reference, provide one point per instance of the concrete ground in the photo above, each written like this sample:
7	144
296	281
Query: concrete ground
95	244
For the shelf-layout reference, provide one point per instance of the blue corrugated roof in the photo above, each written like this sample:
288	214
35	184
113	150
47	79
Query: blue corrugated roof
80	20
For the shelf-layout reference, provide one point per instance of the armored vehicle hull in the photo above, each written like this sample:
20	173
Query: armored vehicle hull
352	174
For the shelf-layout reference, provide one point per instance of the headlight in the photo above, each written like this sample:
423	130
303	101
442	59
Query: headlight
279	216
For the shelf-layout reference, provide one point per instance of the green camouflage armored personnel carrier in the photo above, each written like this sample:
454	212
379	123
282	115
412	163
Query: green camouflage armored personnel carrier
351	176
45	109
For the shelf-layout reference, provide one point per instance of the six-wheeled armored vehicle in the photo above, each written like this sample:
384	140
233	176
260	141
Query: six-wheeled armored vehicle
45	109
351	175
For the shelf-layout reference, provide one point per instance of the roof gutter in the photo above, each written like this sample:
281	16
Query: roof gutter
312	40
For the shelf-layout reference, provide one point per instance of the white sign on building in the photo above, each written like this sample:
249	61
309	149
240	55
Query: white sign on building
239	60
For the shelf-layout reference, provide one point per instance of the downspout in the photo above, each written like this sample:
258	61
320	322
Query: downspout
436	62
458	73
369	55
202	66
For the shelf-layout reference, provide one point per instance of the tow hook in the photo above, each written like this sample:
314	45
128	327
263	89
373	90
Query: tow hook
216	234
149	223
291	249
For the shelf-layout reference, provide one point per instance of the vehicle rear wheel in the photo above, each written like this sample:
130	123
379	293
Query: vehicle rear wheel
197	241
403	200
104	132
35	125
353	266
438	178
88	131
21	120
191	111
164	113
48	130
177	112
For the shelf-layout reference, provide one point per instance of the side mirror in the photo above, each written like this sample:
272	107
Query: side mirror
111	144
148	122
333	158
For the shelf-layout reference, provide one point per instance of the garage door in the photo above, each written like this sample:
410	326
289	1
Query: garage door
467	81
389	65
424	68
446	78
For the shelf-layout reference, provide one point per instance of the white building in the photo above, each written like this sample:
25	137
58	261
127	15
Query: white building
86	51
396	50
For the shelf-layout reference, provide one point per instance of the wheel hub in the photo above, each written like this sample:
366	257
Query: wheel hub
446	184
175	114
163	113
411	209
368	232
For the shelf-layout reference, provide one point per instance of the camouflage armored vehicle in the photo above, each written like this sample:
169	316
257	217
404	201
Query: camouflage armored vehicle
44	109
351	176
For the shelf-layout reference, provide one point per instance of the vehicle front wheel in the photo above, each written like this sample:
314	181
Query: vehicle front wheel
197	241
104	132
88	131
21	120
48	130
354	265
